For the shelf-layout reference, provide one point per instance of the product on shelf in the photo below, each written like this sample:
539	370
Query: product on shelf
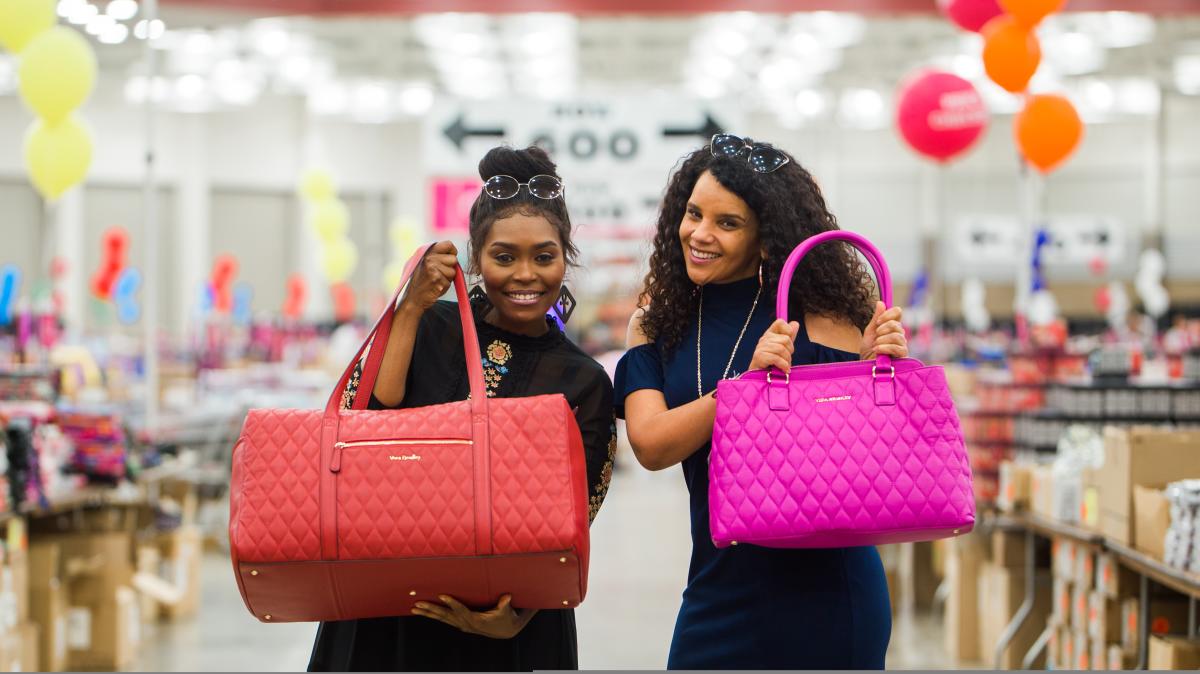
1182	544
99	440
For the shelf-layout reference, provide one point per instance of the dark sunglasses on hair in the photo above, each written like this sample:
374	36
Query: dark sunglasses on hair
763	158
506	187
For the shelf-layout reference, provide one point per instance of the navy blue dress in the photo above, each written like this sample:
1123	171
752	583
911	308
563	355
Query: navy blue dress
750	607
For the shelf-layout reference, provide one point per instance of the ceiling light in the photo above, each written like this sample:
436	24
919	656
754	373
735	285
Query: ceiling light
833	29
706	87
272	42
328	98
1074	53
1187	74
67	8
8	74
1126	29
122	10
1099	95
863	109
1138	96
810	103
82	13
115	35
416	99
99	23
149	29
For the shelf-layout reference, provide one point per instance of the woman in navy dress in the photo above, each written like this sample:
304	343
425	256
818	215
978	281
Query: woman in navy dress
731	215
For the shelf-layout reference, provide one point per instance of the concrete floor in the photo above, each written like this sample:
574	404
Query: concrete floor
639	562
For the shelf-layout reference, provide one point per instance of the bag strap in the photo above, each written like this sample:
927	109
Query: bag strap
874	257
382	331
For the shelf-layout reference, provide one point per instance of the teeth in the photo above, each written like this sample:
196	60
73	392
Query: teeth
705	256
524	296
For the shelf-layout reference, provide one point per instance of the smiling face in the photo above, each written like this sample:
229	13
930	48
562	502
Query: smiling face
719	235
522	264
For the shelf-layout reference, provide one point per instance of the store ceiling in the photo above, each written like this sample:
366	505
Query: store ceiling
796	64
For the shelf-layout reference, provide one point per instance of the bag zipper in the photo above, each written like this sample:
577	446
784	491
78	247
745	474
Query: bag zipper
335	463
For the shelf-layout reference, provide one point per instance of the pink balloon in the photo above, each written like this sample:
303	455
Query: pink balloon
970	14
939	114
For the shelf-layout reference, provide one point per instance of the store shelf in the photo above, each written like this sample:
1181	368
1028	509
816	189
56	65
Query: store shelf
1179	580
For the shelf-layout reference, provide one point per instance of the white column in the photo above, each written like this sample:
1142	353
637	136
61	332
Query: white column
192	217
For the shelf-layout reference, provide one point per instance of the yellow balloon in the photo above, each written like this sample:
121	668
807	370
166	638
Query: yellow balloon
331	219
57	155
21	20
338	260
404	237
392	276
317	185
57	73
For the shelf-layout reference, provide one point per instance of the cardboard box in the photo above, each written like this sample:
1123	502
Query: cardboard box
1098	658
1054	649
179	497
1152	518
104	636
1083	652
1140	456
1041	490
1119	658
1114	580
1167	616
1015	489
49	609
964	558
1104	619
1001	592
1079	608
1089	508
180	566
1067	652
1085	568
1060	612
1170	652
149	561
1063	551
1008	548
27	635
18	563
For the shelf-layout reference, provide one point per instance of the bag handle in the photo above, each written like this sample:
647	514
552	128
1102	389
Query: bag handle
875	258
382	331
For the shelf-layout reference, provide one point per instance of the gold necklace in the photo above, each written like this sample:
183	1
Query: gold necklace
700	326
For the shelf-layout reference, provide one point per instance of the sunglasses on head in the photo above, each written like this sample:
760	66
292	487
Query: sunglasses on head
506	187
762	158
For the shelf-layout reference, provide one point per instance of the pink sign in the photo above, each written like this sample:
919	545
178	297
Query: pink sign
452	199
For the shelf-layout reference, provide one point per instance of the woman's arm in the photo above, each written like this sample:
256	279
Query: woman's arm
432	276
663	437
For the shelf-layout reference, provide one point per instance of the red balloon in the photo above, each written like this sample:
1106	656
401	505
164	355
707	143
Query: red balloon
940	114
970	14
223	300
297	294
343	301
116	244
225	268
1102	299
102	285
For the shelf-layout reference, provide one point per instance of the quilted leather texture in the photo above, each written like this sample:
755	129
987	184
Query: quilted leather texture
408	508
532	499
836	468
274	516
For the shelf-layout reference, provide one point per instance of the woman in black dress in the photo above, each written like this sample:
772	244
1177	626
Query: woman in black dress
731	215
520	244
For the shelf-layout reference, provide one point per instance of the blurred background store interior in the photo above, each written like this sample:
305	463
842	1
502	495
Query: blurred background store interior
206	218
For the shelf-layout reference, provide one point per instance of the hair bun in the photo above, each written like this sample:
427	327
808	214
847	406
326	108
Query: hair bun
521	164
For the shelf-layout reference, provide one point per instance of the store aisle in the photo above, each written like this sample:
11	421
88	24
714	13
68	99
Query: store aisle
639	563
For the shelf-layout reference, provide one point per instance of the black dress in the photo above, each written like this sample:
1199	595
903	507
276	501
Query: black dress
514	366
750	607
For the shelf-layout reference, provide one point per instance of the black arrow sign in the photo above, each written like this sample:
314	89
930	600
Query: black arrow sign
458	132
705	130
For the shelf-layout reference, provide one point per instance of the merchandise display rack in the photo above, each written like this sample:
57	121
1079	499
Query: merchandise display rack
1147	569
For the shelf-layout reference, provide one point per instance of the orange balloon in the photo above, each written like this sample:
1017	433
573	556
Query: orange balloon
1029	13
1011	54
1047	131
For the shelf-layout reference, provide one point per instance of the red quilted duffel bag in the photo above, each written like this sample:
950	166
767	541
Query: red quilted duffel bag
338	514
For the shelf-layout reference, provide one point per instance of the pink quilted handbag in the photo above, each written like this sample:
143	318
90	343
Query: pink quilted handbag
838	455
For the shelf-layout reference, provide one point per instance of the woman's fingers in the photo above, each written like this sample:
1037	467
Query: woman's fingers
889	327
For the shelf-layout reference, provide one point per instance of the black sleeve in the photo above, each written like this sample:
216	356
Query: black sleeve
433	349
594	413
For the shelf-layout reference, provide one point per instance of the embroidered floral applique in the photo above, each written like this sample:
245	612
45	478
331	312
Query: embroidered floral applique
352	387
495	361
601	489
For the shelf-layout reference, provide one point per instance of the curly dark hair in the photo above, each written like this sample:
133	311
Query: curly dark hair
522	165
790	208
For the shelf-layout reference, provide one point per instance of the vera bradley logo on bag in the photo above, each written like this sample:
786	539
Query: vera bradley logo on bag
831	399
404	457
